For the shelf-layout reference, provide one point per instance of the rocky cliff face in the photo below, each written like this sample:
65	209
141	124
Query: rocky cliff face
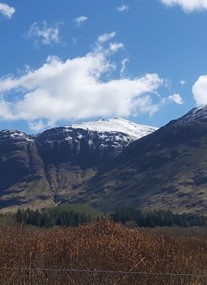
21	170
42	170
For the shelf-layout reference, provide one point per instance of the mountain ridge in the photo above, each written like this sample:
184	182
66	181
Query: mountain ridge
166	169
42	169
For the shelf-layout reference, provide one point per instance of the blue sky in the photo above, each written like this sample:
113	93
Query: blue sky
74	60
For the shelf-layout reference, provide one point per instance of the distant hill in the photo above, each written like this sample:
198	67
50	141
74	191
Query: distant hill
43	170
164	170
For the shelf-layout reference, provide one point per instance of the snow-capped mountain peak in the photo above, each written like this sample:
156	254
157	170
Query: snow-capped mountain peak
101	135
135	131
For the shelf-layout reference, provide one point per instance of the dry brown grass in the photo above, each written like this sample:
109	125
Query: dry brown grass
101	246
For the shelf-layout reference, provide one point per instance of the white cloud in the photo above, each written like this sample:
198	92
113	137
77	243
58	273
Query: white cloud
188	5
182	82
123	66
114	47
37	125
45	34
74	89
80	20
6	10
5	110
176	98
123	8
106	37
199	90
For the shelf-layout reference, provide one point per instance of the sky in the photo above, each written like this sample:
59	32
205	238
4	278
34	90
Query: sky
70	61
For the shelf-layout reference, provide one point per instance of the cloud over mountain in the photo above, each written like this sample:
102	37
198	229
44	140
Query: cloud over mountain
78	88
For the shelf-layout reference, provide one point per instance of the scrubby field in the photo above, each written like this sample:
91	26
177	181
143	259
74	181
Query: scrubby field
101	253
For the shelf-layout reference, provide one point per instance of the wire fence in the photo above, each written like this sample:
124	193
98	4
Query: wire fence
74	276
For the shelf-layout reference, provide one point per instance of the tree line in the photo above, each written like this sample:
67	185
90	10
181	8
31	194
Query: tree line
68	217
157	218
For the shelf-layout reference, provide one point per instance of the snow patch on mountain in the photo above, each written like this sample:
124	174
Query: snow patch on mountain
14	135
117	125
106	133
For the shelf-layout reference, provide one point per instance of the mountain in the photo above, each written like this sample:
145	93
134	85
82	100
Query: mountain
164	170
42	170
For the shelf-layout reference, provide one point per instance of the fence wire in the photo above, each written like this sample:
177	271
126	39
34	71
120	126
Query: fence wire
74	276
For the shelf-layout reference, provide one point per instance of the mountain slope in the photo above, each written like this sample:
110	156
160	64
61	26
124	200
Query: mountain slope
167	169
42	170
